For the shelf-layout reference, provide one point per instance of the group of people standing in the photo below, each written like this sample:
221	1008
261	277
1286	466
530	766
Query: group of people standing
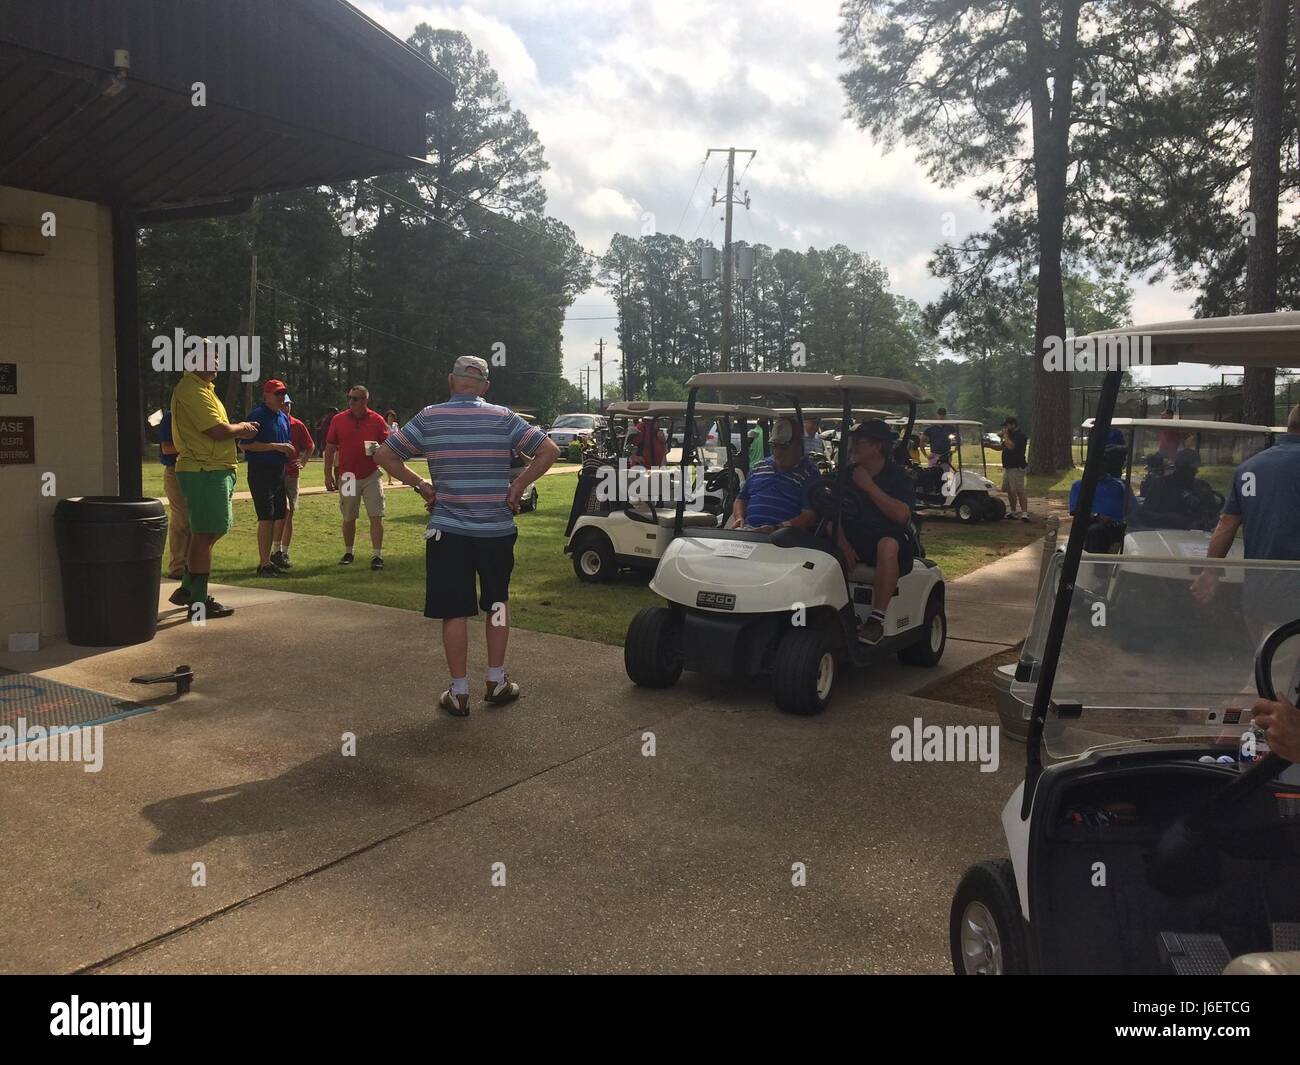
467	443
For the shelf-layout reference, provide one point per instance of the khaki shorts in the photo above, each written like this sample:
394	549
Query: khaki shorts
366	488
290	494
1013	480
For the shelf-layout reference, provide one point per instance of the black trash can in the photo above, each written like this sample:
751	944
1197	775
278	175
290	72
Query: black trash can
110	557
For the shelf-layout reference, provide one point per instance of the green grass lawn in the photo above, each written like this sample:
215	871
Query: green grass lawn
544	594
313	476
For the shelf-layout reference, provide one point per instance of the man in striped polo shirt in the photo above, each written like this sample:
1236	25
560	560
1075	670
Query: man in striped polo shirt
468	444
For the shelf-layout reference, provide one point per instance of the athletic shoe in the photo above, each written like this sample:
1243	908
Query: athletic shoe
456	705
180	597
280	560
871	631
1024	516
267	571
505	691
376	563
1011	515
346	560
212	609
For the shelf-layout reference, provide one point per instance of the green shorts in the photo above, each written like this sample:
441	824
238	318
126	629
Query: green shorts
208	494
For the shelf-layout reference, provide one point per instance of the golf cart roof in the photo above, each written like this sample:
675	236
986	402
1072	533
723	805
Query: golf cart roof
1185	424
640	408
836	412
826	387
921	423
1239	339
529	418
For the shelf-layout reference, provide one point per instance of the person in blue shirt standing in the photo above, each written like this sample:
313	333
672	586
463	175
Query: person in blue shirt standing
267	454
178	518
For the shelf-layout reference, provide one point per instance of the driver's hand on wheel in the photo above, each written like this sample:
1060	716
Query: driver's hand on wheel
1205	586
1280	721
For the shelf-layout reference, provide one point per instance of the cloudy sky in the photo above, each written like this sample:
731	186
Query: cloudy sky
627	96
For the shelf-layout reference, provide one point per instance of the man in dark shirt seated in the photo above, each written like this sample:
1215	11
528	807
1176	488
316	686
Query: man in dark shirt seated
875	532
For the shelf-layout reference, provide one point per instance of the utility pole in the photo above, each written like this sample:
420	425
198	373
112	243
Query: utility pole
600	359
585	373
727	266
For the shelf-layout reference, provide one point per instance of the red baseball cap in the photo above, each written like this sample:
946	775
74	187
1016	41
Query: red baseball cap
274	386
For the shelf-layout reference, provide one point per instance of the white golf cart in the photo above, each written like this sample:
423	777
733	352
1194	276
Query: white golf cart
608	532
748	603
517	464
1183	471
943	486
1161	837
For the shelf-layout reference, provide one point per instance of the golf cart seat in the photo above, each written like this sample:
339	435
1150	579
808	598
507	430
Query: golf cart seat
666	516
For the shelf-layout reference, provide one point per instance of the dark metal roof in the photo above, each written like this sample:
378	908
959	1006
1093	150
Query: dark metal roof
299	92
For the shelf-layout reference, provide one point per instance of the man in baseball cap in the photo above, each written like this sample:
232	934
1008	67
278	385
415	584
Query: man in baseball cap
469	552
267	453
776	490
877	533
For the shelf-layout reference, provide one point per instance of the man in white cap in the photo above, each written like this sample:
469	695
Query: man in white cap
776	490
468	444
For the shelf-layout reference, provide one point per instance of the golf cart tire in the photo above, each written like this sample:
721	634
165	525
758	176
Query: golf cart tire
593	558
967	508
992	886
995	509
923	653
797	673
652	649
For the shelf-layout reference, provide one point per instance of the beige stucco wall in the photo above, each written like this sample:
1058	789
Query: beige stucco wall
56	323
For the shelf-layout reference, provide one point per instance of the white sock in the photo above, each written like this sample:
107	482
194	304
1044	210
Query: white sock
347	549
460	685
496	674
275	548
379	553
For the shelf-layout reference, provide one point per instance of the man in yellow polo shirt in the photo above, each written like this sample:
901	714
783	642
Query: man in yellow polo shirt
205	468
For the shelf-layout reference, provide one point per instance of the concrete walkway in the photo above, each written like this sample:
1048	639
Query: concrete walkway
384	861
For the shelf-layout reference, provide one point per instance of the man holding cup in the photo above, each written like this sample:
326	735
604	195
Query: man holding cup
354	436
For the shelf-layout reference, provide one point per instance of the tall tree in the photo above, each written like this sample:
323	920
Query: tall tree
996	88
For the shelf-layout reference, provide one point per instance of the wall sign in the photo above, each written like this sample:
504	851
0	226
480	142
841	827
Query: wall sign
17	441
8	379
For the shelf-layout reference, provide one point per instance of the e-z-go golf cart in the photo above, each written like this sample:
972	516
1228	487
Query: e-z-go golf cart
944	486
621	520
1153	832
746	603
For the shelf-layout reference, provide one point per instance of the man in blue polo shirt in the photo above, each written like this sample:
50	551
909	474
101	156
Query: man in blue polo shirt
776	490
941	438
267	453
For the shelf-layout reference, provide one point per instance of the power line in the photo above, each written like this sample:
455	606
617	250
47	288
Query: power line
690	196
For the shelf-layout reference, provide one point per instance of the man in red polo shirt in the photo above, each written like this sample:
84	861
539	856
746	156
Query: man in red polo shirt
350	470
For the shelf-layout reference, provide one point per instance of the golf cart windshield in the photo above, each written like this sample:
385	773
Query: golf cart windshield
1143	660
575	421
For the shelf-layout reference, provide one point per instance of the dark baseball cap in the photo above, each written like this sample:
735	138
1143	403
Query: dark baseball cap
873	429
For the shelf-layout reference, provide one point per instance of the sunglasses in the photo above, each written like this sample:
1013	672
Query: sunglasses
355	399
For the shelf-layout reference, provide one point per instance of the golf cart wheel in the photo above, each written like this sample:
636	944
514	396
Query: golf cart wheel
986	932
593	558
994	509
652	649
804	672
933	637
967	508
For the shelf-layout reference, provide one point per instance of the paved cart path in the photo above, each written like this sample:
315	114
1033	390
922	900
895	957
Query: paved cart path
613	860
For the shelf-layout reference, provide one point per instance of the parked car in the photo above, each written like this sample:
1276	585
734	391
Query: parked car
570	427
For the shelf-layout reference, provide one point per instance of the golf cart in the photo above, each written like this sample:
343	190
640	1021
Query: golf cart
1187	471
608	531
743	602
966	493
1160	836
519	463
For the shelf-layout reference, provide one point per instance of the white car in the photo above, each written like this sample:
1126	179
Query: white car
570	427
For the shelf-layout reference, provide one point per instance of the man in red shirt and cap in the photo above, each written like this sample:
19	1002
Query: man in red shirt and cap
354	436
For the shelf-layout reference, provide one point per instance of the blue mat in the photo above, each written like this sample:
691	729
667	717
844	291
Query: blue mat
48	703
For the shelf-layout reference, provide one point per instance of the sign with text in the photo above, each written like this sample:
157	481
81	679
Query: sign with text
17	441
8	379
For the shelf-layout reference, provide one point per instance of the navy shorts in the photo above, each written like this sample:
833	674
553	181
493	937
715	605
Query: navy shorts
266	486
462	571
865	539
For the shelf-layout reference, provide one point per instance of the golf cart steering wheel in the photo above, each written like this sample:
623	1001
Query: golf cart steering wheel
1186	858
1271	764
824	492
